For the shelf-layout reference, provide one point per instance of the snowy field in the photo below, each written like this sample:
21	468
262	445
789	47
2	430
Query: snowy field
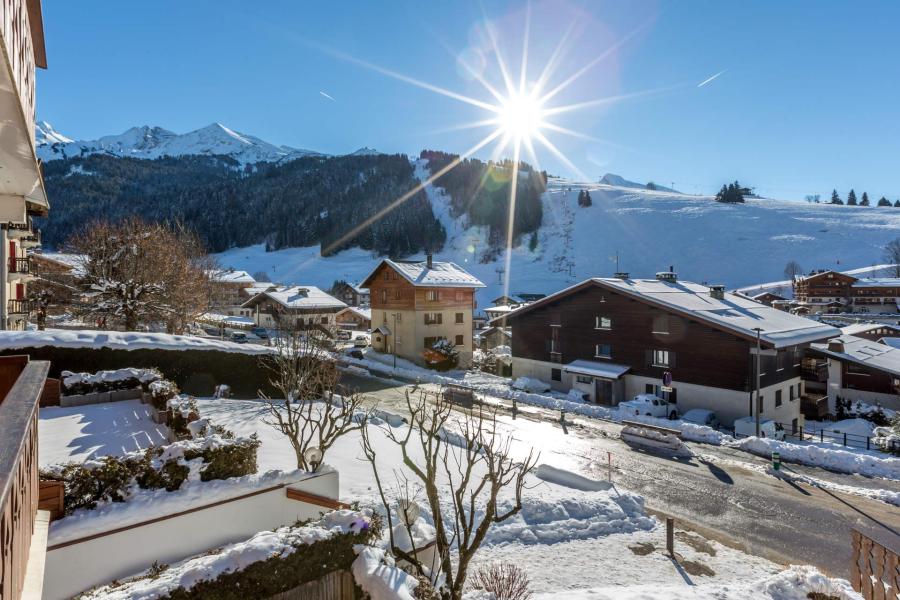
704	240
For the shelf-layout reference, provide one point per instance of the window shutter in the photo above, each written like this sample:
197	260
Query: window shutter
671	360
648	358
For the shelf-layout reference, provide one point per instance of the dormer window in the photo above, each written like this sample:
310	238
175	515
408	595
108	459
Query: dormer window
602	323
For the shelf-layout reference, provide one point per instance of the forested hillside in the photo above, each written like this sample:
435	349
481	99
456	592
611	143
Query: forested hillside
299	203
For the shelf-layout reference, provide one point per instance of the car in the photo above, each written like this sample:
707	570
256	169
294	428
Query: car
360	341
701	416
356	354
260	332
746	427
648	405
344	335
239	337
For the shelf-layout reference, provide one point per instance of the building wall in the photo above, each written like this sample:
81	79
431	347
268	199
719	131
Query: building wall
698	353
874	387
266	309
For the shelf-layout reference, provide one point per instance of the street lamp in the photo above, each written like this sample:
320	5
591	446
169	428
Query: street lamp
394	340
758	331
313	457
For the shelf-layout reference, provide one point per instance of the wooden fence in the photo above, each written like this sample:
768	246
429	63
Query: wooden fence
875	571
337	585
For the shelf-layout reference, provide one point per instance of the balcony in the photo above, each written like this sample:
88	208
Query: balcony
21	386
19	307
20	268
814	371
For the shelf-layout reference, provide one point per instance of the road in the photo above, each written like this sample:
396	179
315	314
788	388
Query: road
722	493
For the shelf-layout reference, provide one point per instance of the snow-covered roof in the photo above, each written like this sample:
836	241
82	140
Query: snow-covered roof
731	312
231	276
596	369
876	282
441	274
503	308
858	328
119	340
865	352
298	297
73	261
259	286
893	342
365	313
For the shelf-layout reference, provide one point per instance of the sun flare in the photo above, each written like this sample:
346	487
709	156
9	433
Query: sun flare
521	117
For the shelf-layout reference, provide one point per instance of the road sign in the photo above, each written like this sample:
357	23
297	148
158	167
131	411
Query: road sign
667	380
666	388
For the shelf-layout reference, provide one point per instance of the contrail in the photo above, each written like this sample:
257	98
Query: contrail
327	96
705	81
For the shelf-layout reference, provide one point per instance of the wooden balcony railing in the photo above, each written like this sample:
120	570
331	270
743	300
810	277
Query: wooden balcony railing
875	569
21	384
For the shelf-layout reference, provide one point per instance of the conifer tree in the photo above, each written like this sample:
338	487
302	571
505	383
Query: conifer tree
835	199
851	198
865	199
897	204
587	198
884	202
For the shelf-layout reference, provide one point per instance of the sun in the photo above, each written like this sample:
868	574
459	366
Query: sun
520	116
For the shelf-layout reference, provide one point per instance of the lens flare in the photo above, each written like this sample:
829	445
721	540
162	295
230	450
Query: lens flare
521	116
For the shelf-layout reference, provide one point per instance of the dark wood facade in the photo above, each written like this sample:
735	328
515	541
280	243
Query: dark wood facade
698	353
391	291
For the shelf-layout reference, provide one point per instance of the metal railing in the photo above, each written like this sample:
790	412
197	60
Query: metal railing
18	307
850	440
19	265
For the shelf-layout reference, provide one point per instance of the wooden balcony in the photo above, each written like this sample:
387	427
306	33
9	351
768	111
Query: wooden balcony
19	267
21	385
18	307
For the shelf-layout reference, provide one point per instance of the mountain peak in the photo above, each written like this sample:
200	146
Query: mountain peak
619	181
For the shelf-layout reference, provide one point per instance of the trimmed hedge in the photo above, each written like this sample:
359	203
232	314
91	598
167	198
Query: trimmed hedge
277	574
195	372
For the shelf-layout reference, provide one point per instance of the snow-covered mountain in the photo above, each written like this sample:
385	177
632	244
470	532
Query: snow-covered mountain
705	241
619	181
154	142
365	151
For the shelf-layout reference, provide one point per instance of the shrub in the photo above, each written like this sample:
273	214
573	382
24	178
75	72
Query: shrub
182	412
161	392
234	459
108	381
505	581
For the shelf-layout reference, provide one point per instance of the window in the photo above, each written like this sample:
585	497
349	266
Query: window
583	379
460	318
649	388
397	294
554	341
384	296
777	398
602	323
431	341
791	393
661	358
309	320
780	361
432	295
603	351
460	295
459	340
433	318
855	369
760	404
556	374
324	321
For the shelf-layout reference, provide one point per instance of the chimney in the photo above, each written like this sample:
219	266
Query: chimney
623	275
428	260
671	276
836	345
717	292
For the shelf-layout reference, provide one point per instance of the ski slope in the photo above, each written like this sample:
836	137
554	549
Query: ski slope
705	241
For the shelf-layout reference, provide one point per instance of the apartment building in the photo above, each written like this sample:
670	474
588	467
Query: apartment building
835	292
417	303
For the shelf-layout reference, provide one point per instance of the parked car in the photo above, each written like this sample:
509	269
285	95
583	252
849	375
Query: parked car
361	341
701	416
356	354
648	405
260	332
344	335
746	426
239	337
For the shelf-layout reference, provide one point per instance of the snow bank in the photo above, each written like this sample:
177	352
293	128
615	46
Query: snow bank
795	583
377	574
233	557
569	479
545	519
149	504
529	384
834	459
120	340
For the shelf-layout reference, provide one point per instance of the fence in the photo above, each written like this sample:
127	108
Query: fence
875	570
851	440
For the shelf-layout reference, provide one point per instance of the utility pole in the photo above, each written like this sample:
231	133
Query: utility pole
394	345
758	331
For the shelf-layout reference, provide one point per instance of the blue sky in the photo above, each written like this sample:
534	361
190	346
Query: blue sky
808	100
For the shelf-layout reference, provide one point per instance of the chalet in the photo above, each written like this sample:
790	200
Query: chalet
417	303
302	307
767	298
860	369
835	292
614	338
492	337
227	290
354	318
350	294
871	331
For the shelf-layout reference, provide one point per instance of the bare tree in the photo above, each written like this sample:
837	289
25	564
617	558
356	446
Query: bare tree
137	272
792	271
310	413
465	456
892	255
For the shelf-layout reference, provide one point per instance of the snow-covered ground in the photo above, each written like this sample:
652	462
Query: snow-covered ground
78	433
704	241
119	340
575	538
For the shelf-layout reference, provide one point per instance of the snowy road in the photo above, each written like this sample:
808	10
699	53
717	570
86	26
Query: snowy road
722	493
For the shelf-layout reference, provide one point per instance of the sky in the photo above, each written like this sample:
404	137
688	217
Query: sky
805	99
